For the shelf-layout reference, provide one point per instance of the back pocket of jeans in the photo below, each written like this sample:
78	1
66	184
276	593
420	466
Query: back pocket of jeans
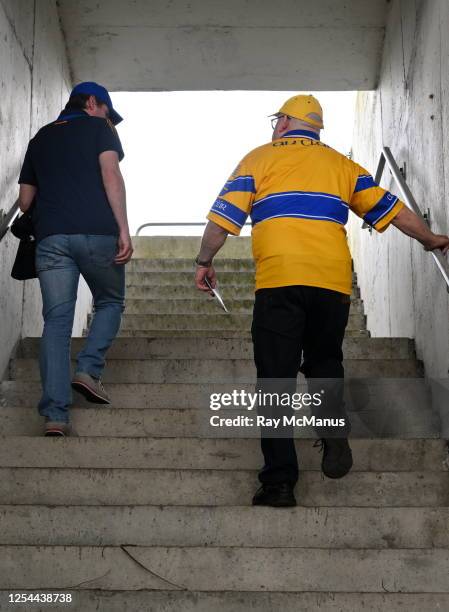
50	253
102	250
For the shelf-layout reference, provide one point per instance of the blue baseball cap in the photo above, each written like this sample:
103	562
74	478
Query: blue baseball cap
94	89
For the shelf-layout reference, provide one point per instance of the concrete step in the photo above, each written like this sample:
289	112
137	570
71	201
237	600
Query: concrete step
178	264
194	333
148	264
205	333
367	394
216	322
317	527
237	601
212	370
415	422
111	487
172	277
228	291
226	569
190	292
207	305
213	348
221	264
208	454
139	279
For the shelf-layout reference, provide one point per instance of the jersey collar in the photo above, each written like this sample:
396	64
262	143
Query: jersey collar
301	133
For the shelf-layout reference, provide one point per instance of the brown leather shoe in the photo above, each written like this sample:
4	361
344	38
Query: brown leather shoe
57	429
91	388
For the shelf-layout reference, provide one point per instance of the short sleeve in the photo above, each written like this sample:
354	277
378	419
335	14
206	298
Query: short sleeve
377	206
108	139
27	174
234	202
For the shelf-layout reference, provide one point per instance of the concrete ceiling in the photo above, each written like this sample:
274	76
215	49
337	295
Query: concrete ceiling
154	45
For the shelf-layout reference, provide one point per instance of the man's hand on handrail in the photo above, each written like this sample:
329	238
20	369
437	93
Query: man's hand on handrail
410	224
439	241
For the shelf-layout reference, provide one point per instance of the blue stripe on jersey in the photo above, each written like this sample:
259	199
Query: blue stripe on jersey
364	181
383	206
319	206
229	211
240	183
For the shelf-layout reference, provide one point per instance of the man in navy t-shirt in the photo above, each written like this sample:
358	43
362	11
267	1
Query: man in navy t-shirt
71	173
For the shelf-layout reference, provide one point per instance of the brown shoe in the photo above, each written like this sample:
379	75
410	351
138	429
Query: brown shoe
91	388
57	429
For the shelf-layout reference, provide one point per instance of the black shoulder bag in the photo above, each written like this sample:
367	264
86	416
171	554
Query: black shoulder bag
24	266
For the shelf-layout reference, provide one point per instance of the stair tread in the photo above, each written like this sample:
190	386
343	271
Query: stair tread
191	526
178	346
168	422
208	453
245	569
153	486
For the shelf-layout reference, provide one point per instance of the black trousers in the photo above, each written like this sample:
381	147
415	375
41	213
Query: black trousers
298	328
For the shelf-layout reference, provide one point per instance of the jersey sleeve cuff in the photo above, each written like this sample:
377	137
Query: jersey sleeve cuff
224	223
384	223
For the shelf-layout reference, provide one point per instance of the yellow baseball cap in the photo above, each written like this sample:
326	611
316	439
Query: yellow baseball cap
306	108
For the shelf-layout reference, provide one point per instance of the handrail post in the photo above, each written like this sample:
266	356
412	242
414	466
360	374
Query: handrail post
403	187
380	168
386	157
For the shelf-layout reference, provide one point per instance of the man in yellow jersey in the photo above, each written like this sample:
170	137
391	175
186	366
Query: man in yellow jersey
298	192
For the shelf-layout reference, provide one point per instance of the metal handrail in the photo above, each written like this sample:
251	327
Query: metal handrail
386	158
182	224
7	219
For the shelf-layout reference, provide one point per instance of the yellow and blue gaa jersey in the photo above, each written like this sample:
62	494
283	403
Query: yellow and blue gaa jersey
298	192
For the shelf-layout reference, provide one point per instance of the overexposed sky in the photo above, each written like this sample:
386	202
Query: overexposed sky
180	147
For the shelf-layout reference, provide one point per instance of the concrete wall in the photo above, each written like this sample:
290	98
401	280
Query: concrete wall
409	112
34	83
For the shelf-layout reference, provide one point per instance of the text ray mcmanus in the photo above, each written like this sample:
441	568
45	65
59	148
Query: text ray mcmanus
275	423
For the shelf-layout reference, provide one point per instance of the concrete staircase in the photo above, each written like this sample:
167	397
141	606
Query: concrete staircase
148	509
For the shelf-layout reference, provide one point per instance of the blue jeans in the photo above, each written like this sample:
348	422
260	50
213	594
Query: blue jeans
60	259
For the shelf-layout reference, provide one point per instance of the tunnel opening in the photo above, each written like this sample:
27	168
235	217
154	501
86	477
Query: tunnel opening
181	146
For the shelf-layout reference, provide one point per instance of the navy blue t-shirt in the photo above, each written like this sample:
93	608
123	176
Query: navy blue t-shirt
62	162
